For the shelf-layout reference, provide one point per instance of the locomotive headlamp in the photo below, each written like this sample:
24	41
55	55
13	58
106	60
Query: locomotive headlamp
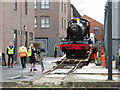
75	20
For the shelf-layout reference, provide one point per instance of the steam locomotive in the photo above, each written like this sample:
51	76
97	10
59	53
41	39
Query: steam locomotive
76	44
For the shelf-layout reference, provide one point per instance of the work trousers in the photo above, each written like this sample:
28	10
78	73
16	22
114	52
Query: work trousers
41	60
0	61
23	62
55	54
10	56
119	63
42	65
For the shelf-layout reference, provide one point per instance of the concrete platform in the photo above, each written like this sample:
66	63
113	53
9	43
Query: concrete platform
61	71
93	69
56	76
88	76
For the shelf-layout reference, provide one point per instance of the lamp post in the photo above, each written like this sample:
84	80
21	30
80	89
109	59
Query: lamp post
109	40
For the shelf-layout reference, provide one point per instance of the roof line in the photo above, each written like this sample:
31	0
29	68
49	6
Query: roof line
92	19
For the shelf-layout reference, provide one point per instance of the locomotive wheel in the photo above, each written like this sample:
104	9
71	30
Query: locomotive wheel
68	56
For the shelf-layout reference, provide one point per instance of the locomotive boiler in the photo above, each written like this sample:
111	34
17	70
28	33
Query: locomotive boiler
76	43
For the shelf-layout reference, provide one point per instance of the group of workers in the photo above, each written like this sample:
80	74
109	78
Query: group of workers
31	52
94	55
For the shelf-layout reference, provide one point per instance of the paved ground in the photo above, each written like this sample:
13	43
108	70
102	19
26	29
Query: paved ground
81	77
90	73
8	74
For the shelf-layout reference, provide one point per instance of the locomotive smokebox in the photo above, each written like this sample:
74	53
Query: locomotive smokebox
74	32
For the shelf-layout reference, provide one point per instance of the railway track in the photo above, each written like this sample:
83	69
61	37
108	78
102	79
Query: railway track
63	65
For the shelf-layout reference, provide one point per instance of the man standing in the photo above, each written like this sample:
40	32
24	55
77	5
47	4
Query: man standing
102	57
23	55
31	54
119	57
0	56
10	53
41	59
94	53
40	53
55	50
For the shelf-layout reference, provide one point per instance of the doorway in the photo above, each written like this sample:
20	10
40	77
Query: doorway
43	44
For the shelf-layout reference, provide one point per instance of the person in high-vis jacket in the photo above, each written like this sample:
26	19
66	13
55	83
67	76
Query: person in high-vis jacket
119	57
55	50
10	53
102	57
0	56
23	55
32	54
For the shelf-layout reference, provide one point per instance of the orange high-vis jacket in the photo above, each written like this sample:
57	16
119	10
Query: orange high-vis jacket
102	52
23	52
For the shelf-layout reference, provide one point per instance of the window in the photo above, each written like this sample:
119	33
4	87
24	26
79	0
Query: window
45	22
65	8
30	36
96	30
62	6
65	24
25	7
62	23
35	5
45	4
15	4
35	22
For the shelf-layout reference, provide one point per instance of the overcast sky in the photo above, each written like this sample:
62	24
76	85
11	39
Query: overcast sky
91	8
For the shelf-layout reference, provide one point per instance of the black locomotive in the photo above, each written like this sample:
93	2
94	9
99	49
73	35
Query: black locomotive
76	44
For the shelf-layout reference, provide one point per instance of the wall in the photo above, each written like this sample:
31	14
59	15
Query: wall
0	27
115	26
94	23
55	32
15	20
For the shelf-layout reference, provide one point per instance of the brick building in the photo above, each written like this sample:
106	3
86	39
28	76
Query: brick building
96	27
17	24
51	20
44	22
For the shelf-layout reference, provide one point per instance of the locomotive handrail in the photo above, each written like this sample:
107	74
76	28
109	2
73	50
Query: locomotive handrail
86	25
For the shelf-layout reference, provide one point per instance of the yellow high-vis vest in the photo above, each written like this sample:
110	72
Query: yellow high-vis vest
56	48
119	53
30	52
10	51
